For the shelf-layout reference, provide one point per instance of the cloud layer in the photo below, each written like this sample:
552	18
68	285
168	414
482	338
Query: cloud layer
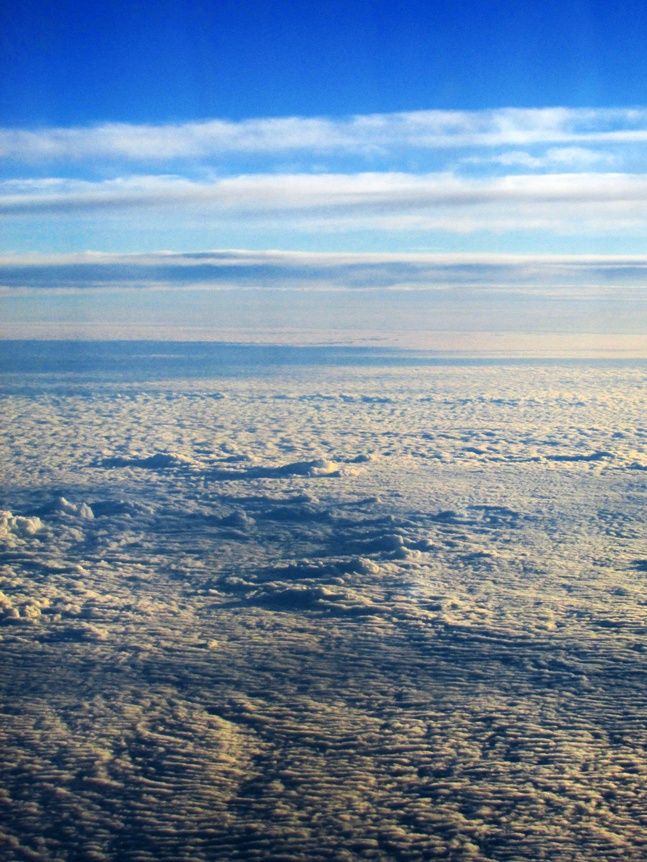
421	180
385	195
485	305
550	201
363	134
566	275
217	646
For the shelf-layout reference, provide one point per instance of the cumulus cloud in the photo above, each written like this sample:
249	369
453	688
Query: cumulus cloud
76	510
157	461
17	525
173	461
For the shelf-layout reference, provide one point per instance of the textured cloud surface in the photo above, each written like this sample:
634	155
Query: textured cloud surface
390	613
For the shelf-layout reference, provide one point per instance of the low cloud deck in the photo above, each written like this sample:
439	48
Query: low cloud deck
324	613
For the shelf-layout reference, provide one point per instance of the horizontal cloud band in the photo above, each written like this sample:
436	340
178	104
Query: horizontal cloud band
262	193
566	275
357	134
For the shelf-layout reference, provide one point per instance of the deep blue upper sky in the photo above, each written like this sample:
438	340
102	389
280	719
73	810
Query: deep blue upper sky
72	62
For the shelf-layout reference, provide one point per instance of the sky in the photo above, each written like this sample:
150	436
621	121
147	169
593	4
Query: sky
193	169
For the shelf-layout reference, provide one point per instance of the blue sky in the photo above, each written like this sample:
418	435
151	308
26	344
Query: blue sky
71	62
459	148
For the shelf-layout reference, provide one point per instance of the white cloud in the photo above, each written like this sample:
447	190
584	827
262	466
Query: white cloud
557	203
402	666
276	192
572	158
277	181
23	527
353	135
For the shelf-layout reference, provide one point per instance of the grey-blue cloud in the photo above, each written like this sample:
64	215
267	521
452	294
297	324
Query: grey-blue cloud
563	275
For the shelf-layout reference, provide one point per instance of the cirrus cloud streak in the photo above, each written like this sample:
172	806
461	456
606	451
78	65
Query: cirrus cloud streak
524	180
357	134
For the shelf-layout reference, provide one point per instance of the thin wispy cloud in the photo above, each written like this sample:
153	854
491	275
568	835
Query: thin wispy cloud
582	276
574	158
359	134
424	180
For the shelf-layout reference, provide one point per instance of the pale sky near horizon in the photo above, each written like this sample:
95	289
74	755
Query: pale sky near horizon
488	156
